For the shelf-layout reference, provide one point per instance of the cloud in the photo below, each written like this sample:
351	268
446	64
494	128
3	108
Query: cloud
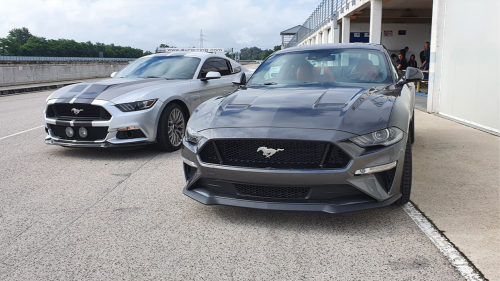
148	23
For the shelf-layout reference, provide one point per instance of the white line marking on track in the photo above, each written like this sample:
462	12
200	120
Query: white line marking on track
449	251
21	132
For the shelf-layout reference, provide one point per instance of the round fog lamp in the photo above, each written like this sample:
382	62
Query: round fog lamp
69	132
83	132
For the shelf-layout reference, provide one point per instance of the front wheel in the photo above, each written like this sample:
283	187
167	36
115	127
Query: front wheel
171	128
406	177
412	128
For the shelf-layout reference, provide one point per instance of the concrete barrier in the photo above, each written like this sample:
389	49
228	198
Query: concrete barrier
22	73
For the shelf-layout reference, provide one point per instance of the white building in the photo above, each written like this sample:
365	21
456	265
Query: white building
464	35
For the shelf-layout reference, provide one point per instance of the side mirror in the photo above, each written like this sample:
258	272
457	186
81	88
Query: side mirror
113	74
211	75
240	80
413	75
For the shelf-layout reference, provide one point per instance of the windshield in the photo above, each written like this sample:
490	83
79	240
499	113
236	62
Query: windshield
349	66
175	67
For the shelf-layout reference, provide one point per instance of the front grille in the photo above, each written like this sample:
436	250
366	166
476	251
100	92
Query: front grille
276	192
94	133
85	111
288	154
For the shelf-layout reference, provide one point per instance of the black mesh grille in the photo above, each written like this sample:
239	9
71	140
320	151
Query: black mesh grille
338	159
288	154
94	133
87	111
209	155
278	192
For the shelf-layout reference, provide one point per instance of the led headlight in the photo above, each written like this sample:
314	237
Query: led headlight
135	106
383	137
192	136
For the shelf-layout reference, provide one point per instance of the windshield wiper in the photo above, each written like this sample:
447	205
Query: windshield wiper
161	77
265	84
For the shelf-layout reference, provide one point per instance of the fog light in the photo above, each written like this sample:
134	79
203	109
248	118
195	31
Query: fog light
69	132
83	132
376	169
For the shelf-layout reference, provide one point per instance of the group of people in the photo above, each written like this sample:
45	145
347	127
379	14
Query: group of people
402	63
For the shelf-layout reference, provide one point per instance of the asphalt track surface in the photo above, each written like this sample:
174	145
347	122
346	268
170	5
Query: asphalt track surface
99	214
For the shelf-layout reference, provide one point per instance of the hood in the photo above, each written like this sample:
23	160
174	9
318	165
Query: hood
350	109
104	90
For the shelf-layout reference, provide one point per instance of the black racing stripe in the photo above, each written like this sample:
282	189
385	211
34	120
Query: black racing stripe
83	123
64	100
125	88
71	93
63	123
91	93
84	101
78	88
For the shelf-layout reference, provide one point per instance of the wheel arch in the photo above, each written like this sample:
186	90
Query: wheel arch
178	101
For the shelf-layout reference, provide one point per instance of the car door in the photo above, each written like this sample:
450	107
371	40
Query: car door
216	87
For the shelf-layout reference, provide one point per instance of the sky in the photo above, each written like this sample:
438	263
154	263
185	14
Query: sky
145	24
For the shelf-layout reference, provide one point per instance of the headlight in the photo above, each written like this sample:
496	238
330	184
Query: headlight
192	136
135	106
383	137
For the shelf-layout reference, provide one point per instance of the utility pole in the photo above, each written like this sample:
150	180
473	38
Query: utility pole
201	38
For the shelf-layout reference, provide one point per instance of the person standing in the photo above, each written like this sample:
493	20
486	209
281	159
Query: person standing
404	51
412	62
427	57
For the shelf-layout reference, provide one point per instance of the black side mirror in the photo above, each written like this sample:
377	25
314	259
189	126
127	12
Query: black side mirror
412	75
240	79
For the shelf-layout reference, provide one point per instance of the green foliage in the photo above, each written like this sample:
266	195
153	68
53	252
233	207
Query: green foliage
252	53
20	42
255	53
9	47
21	35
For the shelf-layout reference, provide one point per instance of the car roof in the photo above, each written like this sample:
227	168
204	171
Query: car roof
367	46
200	55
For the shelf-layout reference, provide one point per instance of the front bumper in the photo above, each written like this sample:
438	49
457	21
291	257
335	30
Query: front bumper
331	190
145	122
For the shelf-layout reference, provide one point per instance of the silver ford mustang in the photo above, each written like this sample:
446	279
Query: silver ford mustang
317	128
149	101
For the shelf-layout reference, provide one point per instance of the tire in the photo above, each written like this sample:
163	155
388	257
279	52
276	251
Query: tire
412	128
406	177
171	128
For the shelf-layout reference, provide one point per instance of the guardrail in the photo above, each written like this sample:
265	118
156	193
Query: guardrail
326	11
26	58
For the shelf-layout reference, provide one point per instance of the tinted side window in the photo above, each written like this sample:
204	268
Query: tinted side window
219	65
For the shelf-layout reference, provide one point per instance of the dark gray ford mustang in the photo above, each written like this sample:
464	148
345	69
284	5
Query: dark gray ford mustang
316	128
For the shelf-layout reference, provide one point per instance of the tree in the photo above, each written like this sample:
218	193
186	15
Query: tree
9	47
21	35
251	53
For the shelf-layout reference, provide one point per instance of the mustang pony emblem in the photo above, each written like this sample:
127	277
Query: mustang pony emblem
76	111
268	152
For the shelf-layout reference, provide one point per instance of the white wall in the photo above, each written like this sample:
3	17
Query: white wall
468	88
30	73
416	36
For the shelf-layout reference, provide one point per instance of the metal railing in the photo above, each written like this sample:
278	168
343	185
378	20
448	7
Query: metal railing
26	58
326	11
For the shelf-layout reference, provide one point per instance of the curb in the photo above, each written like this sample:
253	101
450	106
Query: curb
34	88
